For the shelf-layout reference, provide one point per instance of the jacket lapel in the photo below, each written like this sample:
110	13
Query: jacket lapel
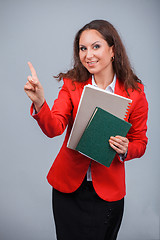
119	89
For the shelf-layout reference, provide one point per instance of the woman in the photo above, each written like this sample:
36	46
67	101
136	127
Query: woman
88	198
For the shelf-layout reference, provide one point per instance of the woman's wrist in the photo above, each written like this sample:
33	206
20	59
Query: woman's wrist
38	106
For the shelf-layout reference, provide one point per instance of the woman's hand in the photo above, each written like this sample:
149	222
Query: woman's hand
34	89
119	144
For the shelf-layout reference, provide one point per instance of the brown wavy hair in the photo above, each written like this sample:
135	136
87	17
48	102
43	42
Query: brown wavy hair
121	63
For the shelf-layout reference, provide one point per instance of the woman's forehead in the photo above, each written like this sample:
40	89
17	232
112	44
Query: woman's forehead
90	36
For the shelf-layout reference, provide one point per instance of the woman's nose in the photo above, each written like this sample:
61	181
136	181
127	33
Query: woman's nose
89	54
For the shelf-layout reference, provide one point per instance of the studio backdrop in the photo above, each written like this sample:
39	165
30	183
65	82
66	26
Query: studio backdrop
43	32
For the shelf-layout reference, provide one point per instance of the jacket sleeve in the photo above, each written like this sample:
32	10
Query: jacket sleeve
137	134
53	122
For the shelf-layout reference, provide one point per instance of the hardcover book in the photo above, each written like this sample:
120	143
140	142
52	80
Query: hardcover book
94	142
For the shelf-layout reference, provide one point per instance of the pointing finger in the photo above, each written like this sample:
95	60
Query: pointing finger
33	71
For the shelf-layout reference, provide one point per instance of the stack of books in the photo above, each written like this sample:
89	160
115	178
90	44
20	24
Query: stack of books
100	115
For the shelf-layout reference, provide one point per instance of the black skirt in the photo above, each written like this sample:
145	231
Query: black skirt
83	215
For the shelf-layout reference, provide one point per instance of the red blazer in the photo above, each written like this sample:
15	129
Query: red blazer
70	167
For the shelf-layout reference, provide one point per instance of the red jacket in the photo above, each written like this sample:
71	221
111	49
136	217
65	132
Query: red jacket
70	167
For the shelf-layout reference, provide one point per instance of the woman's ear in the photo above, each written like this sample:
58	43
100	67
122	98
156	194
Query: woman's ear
112	51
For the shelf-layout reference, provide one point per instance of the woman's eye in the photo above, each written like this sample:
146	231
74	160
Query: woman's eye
82	48
96	46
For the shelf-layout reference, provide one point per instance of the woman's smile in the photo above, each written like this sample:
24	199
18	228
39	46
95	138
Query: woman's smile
92	63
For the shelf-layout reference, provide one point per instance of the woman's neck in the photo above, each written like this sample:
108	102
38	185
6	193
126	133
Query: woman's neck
104	79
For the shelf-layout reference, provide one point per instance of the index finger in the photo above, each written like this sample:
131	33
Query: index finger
33	71
124	139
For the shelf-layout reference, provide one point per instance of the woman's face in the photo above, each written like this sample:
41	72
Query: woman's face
94	52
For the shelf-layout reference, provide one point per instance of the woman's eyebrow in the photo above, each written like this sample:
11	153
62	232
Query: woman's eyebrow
81	45
95	42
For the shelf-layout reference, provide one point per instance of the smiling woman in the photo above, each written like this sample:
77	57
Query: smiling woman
88	198
120	62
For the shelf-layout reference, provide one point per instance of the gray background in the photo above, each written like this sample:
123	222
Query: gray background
42	32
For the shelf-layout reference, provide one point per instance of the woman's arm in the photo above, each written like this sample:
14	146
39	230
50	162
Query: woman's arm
134	144
137	134
52	122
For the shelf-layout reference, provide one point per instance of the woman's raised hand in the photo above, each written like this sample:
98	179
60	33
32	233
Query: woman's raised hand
34	89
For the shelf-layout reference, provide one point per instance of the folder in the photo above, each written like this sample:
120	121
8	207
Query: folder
94	142
91	98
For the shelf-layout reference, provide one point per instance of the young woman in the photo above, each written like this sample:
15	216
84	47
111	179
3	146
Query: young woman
88	198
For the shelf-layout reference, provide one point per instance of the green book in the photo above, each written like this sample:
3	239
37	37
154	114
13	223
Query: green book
94	142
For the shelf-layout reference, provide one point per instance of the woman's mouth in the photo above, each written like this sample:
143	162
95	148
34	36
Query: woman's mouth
91	63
